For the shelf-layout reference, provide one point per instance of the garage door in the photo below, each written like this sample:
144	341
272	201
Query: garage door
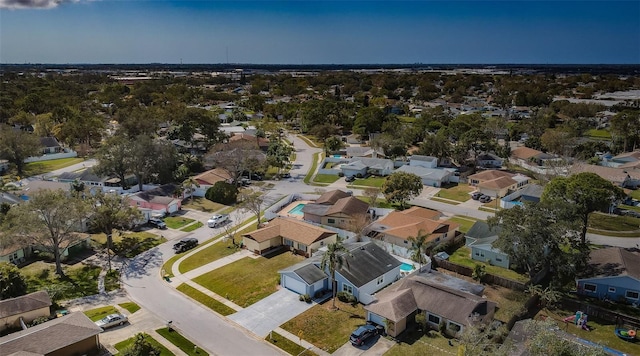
173	208
376	318
295	285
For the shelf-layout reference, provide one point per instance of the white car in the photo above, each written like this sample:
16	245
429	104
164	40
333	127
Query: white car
217	220
111	320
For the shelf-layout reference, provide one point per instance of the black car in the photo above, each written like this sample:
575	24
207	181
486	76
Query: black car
349	178
185	245
476	195
484	199
362	334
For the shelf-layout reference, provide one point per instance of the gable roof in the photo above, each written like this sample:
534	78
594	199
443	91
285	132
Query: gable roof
424	172
614	175
481	230
161	195
411	222
498	183
212	176
394	305
24	304
367	262
490	174
331	197
292	229
310	273
358	151
86	175
349	206
524	152
49	142
36	185
374	163
615	261
50	336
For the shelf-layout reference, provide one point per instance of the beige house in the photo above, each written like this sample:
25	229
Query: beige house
27	307
345	213
497	184
297	236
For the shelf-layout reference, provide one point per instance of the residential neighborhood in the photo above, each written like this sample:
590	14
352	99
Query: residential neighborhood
425	212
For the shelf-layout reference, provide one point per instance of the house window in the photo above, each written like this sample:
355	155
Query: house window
454	327
406	242
434	319
321	243
438	239
302	247
631	294
380	280
477	253
288	242
331	221
498	259
590	287
612	290
347	288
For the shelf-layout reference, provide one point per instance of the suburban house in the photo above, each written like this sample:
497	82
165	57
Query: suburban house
366	269
344	213
91	180
51	149
24	309
160	200
423	161
4	166
367	152
360	166
394	230
432	177
624	160
615	275
496	183
207	179
72	334
260	142
621	177
50	145
533	159
442	299
489	160
530	193
15	253
296	235
479	239
26	191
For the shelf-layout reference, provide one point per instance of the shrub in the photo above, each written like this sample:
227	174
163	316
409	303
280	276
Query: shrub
346	297
222	193
359	175
307	298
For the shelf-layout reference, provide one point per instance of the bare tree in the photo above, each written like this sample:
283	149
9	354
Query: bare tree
359	223
235	157
230	229
251	200
372	195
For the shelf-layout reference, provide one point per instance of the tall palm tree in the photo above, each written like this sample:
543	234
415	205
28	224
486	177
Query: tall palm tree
418	248
190	186
333	259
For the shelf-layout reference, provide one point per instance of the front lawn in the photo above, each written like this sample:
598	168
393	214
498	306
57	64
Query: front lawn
205	300
287	345
325	328
462	256
314	165
121	346
131	307
465	222
112	280
181	342
248	280
176	222
99	313
375	182
599	134
202	204
192	227
613	222
37	168
413	342
130	244
325	178
459	193
79	280
635	194
446	201
602	332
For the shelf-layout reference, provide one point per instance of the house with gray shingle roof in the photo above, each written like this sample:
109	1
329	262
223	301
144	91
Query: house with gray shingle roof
360	165
615	275
26	308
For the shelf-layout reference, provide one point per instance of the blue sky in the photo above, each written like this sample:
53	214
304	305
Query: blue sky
319	32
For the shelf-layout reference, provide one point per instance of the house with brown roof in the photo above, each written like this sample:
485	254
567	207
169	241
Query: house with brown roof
497	184
624	160
207	179
614	275
621	177
297	236
395	229
259	142
440	298
72	334
25	308
343	213
533	159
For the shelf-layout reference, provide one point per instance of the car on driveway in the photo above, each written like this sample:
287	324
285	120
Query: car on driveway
484	199
476	195
157	223
349	178
217	220
362	334
185	244
111	320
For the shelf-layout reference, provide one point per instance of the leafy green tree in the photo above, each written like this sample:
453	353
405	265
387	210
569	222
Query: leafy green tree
437	145
484	340
12	283
278	154
16	146
418	248
333	144
369	120
625	126
544	340
479	271
236	157
332	260
223	193
583	194
51	220
400	187
189	185
141	347
113	158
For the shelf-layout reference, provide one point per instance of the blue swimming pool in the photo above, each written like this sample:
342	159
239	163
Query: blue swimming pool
297	210
406	267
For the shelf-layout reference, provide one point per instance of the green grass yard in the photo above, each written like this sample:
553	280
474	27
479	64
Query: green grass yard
121	346
462	256
613	222
192	227
413	342
202	204
205	300
99	313
325	178
599	134
459	193
314	165
287	345
37	168
177	222
79	280
181	342
248	280
464	222
375	182
447	201
131	307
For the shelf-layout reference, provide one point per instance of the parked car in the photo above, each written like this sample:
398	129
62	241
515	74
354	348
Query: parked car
111	320
362	334
157	223
286	175
349	178
217	220
484	199
185	244
476	195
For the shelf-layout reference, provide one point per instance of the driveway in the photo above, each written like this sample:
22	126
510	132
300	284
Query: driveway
376	346
271	312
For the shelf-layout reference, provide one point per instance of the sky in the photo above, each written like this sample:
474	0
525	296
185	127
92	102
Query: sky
320	32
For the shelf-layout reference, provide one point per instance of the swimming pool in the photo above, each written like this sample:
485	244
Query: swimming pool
406	267
297	210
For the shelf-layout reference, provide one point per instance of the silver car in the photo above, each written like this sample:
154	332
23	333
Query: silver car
111	320
217	220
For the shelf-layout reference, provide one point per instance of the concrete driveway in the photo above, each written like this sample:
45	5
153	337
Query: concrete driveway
271	312
375	346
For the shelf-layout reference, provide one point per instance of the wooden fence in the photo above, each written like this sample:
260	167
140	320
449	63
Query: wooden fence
600	312
488	278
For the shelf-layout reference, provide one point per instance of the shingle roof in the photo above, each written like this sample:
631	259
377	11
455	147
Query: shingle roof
331	197
166	190
292	229
498	183
367	262
24	304
481	230
615	261
524	152
213	176
394	305
411	222
50	336
614	175
86	175
310	273
49	142
350	206
490	175
423	172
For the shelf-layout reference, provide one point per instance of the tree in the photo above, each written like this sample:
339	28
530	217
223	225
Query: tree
236	157
583	194
418	248
110	212
50	219
252	201
190	186
16	146
113	158
278	154
372	193
485	340
141	347
332	260
150	157
332	144
542	340
548	295
479	271
625	126
12	283
223	193
401	186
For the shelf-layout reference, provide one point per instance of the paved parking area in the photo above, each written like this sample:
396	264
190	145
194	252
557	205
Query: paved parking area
376	346
271	312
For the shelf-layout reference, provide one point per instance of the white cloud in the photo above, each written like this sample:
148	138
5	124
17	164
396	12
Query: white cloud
32	4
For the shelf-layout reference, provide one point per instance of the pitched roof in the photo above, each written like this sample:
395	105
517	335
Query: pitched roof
36	185
213	176
310	273
424	172
524	152
292	229
350	206
411	222
367	262
498	183
614	175
481	230
615	261
86	175
24	304
331	197
490	175
49	142
48	337
394	305
151	195
422	212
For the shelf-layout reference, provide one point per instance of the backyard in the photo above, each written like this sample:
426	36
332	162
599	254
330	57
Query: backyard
459	192
462	256
248	280
37	168
325	328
